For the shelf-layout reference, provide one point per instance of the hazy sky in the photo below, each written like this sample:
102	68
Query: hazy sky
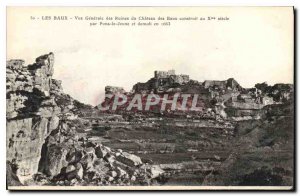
255	45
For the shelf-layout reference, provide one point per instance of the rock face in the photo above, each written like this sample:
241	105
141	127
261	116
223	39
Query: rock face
30	112
43	147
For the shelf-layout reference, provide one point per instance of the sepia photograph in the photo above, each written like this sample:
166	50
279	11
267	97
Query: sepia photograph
150	98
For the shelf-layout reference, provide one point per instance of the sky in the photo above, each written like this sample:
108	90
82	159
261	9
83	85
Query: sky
255	45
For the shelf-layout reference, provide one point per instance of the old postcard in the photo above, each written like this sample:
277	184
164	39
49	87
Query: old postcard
150	98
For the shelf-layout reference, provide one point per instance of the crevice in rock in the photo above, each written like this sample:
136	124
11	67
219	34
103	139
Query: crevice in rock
43	160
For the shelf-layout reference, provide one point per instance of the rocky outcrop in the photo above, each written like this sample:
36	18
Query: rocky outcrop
31	112
43	147
218	100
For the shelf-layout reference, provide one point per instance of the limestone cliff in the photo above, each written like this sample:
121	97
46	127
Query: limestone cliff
43	146
31	112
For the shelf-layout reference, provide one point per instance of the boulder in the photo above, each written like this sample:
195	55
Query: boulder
74	155
87	161
90	144
129	159
110	178
76	172
79	170
101	167
53	123
101	151
133	178
110	159
120	172
70	168
56	159
90	150
155	171
113	174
